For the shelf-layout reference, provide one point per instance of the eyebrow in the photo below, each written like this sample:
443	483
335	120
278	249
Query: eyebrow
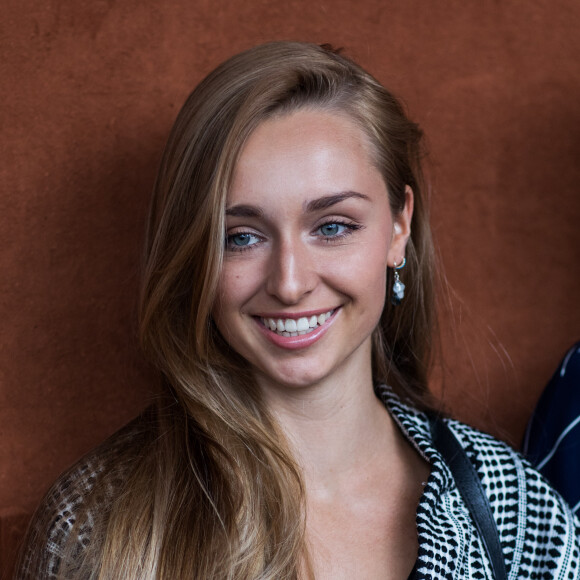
244	211
330	200
251	211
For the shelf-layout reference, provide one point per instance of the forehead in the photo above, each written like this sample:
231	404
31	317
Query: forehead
307	151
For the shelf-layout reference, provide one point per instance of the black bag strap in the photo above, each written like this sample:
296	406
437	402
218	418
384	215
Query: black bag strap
471	491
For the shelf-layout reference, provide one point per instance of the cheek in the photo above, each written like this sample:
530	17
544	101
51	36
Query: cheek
369	264
235	286
362	275
376	289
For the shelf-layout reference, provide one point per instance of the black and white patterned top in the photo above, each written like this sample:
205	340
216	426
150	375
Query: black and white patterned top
539	534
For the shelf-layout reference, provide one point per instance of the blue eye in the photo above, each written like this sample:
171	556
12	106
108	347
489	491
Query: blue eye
335	231
331	229
241	241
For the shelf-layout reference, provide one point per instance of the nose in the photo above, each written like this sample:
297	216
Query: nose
292	272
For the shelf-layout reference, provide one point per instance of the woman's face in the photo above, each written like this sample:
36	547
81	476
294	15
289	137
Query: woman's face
309	237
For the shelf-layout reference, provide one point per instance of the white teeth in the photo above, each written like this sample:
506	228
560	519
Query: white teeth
295	327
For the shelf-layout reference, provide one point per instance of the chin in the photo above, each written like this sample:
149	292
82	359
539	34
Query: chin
290	380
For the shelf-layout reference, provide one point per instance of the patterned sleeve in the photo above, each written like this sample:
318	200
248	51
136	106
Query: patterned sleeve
66	517
53	521
552	529
540	535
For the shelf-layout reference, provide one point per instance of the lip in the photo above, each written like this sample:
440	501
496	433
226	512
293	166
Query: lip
302	340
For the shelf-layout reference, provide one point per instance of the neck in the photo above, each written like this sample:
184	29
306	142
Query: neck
335	428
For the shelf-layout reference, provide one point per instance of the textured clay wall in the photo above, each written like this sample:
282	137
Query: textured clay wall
89	91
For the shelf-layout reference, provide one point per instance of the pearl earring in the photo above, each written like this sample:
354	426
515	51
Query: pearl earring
398	286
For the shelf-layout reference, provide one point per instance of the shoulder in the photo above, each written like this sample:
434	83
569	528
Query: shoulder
66	516
537	528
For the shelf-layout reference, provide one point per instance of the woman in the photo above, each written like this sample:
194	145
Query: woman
288	199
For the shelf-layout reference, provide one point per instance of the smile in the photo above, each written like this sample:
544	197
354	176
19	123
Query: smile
296	326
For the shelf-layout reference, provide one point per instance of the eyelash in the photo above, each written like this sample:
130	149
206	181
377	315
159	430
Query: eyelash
350	228
231	247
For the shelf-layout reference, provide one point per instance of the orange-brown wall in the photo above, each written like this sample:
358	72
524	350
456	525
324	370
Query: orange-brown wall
89	91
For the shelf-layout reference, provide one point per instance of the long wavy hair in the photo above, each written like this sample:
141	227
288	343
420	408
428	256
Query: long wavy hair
211	489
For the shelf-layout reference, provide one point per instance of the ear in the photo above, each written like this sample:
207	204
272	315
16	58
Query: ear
401	230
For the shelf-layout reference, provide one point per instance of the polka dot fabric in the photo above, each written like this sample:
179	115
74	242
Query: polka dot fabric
539	535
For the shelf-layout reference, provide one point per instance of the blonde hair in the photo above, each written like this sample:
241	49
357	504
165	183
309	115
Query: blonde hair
212	490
